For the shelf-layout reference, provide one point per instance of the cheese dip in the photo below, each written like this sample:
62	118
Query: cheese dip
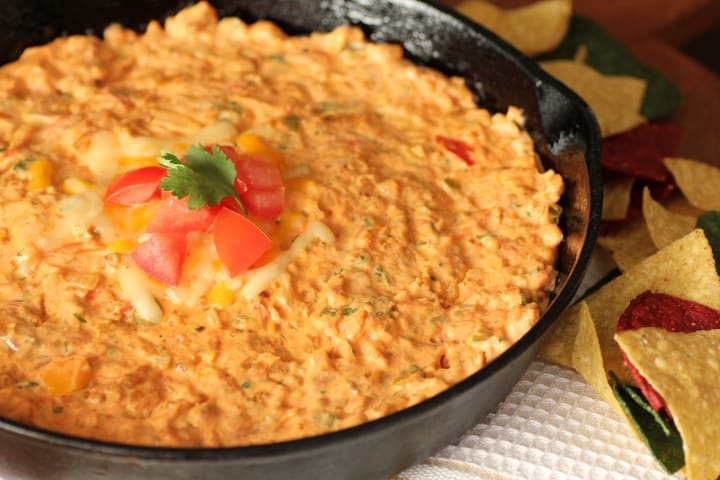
417	239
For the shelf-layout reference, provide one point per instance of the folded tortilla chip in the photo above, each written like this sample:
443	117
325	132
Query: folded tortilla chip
684	368
698	181
615	100
663	225
685	269
629	245
532	29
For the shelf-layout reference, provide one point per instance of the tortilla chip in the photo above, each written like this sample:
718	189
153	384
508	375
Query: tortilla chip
611	57
699	182
639	152
532	29
663	225
685	269
684	369
629	245
615	100
616	197
573	342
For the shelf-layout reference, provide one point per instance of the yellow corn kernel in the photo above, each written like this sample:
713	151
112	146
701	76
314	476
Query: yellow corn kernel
221	295
65	375
217	265
40	174
208	357
123	245
73	186
251	144
132	219
138	161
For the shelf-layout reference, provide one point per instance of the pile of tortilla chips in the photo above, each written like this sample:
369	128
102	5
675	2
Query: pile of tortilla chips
648	340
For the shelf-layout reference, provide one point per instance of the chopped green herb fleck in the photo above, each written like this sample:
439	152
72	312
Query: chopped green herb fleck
452	184
367	222
325	107
278	57
347	311
555	213
362	259
421	243
378	313
24	385
3	148
80	318
337	272
246	384
381	275
329	311
292	122
235	107
438	319
524	300
481	335
534	271
513	206
23	164
479	237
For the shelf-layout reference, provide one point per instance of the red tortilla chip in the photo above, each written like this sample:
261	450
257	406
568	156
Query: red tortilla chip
639	152
658	191
674	315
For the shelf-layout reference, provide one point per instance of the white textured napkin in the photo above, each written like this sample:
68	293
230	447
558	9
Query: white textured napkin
552	426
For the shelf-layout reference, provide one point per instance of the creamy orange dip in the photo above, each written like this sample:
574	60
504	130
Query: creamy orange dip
398	268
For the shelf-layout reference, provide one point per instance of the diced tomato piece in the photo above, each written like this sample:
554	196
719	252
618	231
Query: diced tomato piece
238	241
458	147
175	216
162	256
136	186
268	204
258	173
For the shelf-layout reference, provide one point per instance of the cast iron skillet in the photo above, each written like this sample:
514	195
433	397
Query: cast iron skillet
565	134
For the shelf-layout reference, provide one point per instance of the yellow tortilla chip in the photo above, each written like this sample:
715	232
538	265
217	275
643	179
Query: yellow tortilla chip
616	197
684	369
663	225
699	182
573	342
685	269
532	29
615	100
630	245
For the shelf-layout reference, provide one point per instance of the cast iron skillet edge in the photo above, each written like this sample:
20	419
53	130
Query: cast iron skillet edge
566	136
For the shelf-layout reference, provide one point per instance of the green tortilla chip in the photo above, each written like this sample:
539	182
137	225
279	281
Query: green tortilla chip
657	430
710	224
610	57
684	368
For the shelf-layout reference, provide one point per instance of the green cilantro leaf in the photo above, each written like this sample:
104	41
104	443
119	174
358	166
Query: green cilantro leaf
204	177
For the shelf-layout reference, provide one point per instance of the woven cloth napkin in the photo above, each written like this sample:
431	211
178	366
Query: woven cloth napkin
552	426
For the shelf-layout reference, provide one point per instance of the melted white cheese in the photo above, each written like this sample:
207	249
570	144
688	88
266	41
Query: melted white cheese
259	279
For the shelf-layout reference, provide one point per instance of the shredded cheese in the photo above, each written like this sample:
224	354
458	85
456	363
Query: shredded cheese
134	286
259	279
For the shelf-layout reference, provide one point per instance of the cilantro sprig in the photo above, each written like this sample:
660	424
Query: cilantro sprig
204	177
